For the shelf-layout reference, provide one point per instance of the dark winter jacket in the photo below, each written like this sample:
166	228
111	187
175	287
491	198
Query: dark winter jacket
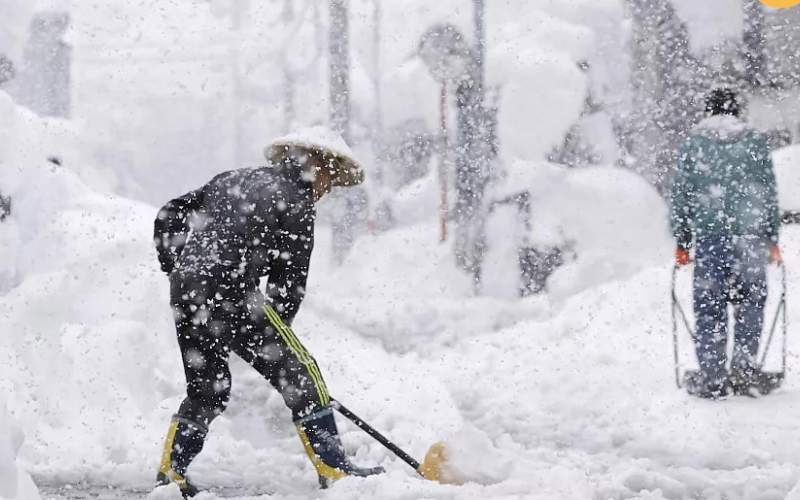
724	184
241	226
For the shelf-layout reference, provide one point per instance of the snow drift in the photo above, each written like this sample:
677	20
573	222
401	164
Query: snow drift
15	484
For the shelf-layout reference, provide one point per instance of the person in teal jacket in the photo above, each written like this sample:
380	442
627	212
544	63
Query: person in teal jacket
724	205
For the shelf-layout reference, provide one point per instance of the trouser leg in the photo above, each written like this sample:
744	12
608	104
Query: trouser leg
751	295
710	307
204	352
183	442
272	348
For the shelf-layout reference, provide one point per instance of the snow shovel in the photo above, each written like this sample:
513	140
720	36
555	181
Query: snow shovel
767	380
430	468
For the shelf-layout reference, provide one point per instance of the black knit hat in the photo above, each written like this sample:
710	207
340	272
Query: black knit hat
722	101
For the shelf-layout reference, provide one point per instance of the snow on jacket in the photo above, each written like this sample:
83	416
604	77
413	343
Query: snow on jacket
724	184
243	225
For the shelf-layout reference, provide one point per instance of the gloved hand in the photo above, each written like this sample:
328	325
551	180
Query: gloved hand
682	257
775	256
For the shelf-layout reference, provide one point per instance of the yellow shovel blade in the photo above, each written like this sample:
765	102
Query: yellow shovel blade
433	467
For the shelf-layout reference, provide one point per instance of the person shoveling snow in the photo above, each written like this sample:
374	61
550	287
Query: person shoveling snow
724	203
216	243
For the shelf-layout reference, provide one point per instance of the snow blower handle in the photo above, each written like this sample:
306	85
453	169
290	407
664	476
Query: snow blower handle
405	457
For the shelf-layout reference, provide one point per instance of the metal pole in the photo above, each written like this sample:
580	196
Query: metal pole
402	455
288	77
755	60
236	21
443	162
339	67
674	299
376	64
480	43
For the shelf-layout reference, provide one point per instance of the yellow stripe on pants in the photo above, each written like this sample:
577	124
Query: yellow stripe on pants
300	351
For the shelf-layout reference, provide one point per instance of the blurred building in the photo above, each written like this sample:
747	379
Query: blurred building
42	81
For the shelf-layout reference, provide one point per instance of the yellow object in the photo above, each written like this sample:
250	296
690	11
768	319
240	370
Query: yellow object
166	457
432	467
300	351
322	468
780	4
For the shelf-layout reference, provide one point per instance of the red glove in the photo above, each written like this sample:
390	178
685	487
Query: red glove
682	257
775	256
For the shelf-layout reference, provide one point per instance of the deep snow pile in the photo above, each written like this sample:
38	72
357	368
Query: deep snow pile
610	222
15	484
788	177
79	365
566	399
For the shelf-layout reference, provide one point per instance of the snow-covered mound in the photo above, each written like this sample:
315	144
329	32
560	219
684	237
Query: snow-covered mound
79	315
787	173
610	220
80	348
535	401
15	484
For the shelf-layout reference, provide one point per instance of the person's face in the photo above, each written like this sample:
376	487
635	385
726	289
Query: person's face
323	177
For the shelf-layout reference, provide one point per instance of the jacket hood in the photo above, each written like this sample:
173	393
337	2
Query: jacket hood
724	128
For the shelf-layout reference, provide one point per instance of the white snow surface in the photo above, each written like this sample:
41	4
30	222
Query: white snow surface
724	127
15	483
567	397
609	220
787	173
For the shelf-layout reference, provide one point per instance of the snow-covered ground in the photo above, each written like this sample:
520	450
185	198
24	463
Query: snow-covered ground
567	397
541	400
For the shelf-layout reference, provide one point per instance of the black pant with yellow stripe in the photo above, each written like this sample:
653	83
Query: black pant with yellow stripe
214	319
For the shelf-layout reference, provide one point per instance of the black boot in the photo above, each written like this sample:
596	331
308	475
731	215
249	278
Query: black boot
184	441
753	382
324	448
699	385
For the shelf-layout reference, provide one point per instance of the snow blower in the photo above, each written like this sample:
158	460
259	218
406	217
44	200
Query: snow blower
767	381
432	467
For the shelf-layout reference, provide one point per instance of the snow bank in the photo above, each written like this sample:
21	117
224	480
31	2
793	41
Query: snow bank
613	221
81	325
79	318
533	59
787	174
536	400
92	368
472	457
15	484
28	139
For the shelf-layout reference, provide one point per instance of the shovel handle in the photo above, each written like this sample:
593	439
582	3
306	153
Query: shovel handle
402	455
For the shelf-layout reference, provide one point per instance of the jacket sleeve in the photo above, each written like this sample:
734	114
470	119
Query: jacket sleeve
171	227
771	193
681	198
288	272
